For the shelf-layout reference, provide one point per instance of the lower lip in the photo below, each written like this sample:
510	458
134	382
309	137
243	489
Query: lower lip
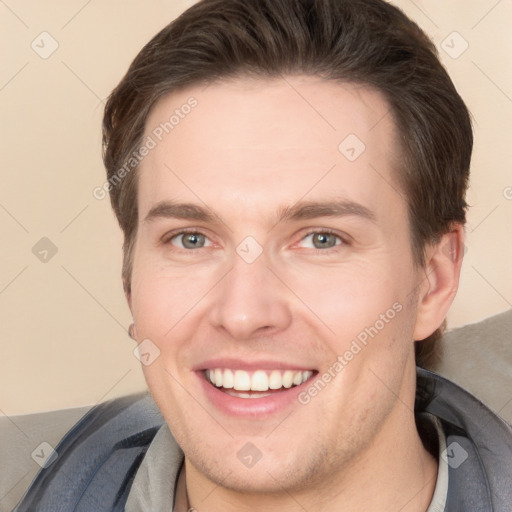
250	407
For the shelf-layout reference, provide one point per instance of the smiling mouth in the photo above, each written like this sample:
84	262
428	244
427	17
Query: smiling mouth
256	384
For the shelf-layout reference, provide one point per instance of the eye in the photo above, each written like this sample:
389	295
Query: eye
190	240
321	240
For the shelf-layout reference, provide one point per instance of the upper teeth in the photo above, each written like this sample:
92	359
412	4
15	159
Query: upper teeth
260	380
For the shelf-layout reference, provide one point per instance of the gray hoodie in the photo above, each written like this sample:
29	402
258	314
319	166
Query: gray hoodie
102	464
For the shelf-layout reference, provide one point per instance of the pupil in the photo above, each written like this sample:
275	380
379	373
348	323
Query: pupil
192	240
324	240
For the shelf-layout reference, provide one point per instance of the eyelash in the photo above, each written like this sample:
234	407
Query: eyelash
170	236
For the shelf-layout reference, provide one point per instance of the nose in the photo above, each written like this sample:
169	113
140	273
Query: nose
251	301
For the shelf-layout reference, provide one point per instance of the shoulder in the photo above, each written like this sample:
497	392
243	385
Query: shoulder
478	445
97	459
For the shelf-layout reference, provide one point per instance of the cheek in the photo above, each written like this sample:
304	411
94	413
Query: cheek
163	297
348	300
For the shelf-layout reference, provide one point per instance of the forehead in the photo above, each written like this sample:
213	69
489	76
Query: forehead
269	141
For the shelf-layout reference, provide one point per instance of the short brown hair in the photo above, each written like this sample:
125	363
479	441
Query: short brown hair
360	41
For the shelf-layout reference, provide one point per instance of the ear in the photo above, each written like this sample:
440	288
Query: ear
441	281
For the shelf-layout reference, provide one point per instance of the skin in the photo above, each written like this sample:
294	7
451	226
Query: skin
251	148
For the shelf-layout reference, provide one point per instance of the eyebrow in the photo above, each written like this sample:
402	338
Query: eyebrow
312	209
185	211
300	211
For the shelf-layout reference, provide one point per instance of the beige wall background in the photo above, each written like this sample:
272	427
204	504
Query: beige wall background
63	312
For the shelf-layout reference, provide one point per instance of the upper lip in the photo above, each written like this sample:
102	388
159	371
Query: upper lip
252	365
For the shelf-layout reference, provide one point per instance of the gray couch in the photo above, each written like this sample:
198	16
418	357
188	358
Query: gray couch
477	356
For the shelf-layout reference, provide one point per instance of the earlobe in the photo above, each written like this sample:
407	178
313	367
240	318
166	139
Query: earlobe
441	274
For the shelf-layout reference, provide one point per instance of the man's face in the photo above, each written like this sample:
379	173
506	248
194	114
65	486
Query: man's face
296	264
